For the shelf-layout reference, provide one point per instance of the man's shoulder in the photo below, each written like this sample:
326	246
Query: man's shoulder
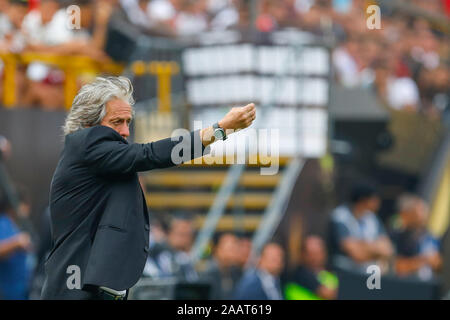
341	214
94	133
250	276
96	130
250	286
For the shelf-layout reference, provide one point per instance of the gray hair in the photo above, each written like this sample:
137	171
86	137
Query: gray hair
89	105
408	201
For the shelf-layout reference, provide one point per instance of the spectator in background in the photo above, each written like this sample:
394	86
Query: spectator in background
403	94
343	6
145	17
434	86
172	259
263	283
222	270
158	239
4	20
357	238
46	25
224	14
425	47
12	40
5	25
159	230
310	280
18	196
5	148
45	29
417	251
163	14
14	268
347	63
42	250
244	250
47	33
11	19
272	15
136	11
244	16
192	19
164	11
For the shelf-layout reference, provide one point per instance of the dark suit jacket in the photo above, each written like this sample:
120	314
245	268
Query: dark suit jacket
98	211
250	287
222	280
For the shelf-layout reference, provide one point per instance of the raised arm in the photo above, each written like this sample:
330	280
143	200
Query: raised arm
106	152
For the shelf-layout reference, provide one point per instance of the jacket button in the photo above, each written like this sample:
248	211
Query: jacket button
146	249
147	227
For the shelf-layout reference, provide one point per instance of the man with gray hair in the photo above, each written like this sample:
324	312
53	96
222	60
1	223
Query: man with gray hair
417	250
100	225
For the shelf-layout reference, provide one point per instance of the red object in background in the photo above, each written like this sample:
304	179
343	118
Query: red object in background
54	77
402	69
33	4
446	4
265	23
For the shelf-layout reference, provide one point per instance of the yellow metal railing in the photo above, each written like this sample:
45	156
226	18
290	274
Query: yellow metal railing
440	206
163	70
72	66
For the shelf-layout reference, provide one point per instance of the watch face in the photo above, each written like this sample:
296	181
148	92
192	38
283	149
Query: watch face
219	134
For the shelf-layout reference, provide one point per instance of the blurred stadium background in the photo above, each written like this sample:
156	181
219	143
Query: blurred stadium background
352	107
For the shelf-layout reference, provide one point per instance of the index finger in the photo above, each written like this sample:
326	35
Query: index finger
249	107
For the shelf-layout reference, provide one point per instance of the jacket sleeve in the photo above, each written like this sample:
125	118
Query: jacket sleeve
106	152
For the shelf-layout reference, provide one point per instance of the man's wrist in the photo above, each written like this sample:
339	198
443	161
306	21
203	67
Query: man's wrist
207	136
223	125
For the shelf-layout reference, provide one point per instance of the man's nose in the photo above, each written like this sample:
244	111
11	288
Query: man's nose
125	131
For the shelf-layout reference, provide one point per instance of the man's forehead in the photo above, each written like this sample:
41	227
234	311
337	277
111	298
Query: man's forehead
118	107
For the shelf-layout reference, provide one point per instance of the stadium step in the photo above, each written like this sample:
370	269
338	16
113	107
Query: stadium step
204	200
247	223
198	178
192	188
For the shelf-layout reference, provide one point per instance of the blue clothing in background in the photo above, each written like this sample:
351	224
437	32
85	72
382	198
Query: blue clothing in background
414	243
343	6
14	270
258	285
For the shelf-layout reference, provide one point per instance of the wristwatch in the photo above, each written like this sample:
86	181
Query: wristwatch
219	133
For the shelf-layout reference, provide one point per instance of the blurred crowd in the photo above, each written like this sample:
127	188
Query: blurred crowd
356	239
406	62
